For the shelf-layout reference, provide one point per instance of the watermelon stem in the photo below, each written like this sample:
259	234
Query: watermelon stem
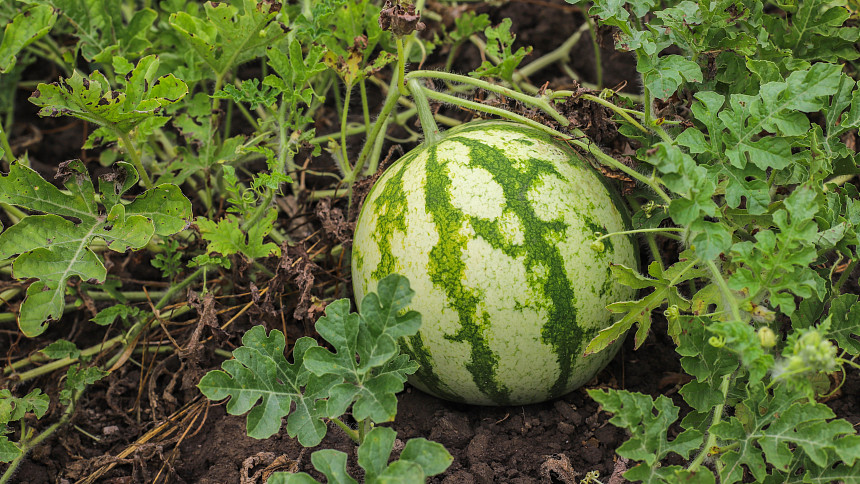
729	296
425	114
645	231
538	102
717	418
353	435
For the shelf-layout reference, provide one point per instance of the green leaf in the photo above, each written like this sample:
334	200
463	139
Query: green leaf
778	263
740	338
639	311
230	35
108	315
844	323
371	380
260	372
8	450
226	237
77	379
249	91
500	42
705	362
61	349
53	249
332	463
648	420
285	478
105	30
402	472
374	452
666	74
25	28
14	408
467	24
93	99
294	70
431	456
781	420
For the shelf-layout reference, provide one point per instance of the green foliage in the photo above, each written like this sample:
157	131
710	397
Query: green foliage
93	99
322	384
500	42
77	379
103	30
13	409
419	459
226	35
226	237
110	314
169	262
753	176
52	248
649	420
61	349
25	28
249	91
639	312
747	159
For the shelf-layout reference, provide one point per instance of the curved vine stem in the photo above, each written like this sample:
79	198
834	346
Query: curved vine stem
540	103
425	114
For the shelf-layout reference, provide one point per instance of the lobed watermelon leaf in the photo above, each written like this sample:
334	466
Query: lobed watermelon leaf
371	381
260	372
229	36
93	99
418	460
639	312
54	247
322	384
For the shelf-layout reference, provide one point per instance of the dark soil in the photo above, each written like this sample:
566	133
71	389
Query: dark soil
147	422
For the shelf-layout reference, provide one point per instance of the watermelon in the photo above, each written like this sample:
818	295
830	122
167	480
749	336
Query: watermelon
493	225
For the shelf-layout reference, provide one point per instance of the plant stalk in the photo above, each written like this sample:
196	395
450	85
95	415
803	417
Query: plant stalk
135	159
425	114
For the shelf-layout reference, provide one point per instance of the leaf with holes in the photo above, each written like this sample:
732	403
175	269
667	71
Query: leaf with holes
54	247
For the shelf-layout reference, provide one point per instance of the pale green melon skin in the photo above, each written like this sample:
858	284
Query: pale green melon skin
505	316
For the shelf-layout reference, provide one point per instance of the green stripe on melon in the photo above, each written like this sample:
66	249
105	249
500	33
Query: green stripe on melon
493	226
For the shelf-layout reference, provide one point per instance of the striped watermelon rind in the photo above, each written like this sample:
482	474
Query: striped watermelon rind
493	226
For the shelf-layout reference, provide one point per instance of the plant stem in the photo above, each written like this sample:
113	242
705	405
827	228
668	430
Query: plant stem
343	119
844	277
349	432
540	103
588	146
130	295
503	113
724	288
27	446
641	231
622	112
718	416
425	114
4	143
135	159
401	66
362	430
365	109
646	109
390	103
655	251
